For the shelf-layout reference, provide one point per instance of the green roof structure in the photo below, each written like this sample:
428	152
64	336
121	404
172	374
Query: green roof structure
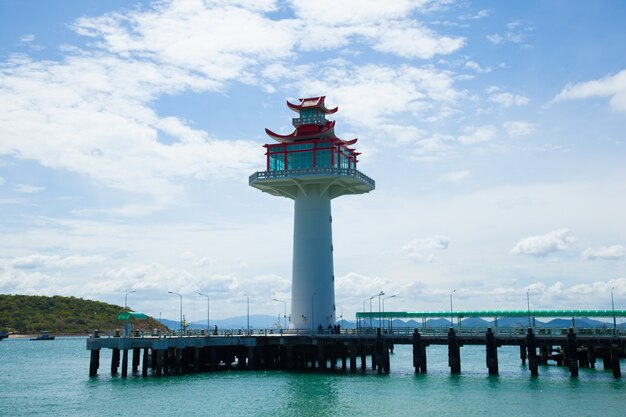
491	313
128	315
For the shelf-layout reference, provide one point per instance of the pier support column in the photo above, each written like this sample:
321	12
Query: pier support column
135	364
144	362
572	356
353	347
419	353
531	345
321	358
363	349
196	359
94	362
378	352
544	352
522	352
251	358
615	354
492	352
159	361
591	357
115	360
454	353
125	363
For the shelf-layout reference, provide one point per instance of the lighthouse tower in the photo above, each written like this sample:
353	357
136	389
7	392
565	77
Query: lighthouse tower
311	166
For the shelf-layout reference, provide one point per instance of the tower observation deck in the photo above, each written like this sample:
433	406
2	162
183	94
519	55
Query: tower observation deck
311	166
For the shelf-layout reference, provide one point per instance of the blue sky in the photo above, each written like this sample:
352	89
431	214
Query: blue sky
494	131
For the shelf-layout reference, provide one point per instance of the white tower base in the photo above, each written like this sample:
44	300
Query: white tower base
313	291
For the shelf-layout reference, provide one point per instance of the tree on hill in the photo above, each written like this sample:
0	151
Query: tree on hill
70	315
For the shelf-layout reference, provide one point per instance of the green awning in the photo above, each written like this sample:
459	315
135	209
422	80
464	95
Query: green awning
127	315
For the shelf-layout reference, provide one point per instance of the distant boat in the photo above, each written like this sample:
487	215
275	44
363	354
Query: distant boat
43	336
3	335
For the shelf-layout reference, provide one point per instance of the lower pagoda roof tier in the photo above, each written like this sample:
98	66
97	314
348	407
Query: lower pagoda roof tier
306	132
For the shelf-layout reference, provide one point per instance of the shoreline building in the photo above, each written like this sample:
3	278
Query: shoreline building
311	166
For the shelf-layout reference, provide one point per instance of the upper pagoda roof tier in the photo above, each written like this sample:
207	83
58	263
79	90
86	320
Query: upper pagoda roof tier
311	103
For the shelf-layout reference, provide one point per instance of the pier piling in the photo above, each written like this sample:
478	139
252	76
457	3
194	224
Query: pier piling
492	352
94	362
145	361
571	351
125	363
115	360
531	345
454	353
419	353
135	363
615	356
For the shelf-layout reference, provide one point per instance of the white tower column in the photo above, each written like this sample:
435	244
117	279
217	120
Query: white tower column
313	291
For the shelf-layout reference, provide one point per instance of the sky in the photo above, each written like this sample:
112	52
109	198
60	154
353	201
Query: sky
494	132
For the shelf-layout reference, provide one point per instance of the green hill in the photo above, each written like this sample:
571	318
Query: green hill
68	315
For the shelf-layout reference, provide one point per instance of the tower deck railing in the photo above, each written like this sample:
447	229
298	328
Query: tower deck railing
325	171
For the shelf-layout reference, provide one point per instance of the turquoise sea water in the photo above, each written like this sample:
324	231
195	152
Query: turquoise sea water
51	378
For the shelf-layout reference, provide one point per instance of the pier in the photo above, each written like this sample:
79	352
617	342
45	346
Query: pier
351	350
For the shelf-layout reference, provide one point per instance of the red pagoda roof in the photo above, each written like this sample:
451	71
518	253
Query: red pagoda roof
310	131
306	132
311	102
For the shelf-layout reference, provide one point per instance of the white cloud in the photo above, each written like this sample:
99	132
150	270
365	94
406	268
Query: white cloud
415	42
477	134
386	26
515	33
372	95
612	86
517	128
455	176
604	252
27	38
508	99
53	261
28	188
557	240
479	15
419	249
2	181
496	39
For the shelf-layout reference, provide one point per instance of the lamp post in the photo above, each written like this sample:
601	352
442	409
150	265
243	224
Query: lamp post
380	319
312	316
181	310
528	304
208	309
613	308
247	314
364	301
126	299
451	322
127	324
371	298
285	305
391	296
